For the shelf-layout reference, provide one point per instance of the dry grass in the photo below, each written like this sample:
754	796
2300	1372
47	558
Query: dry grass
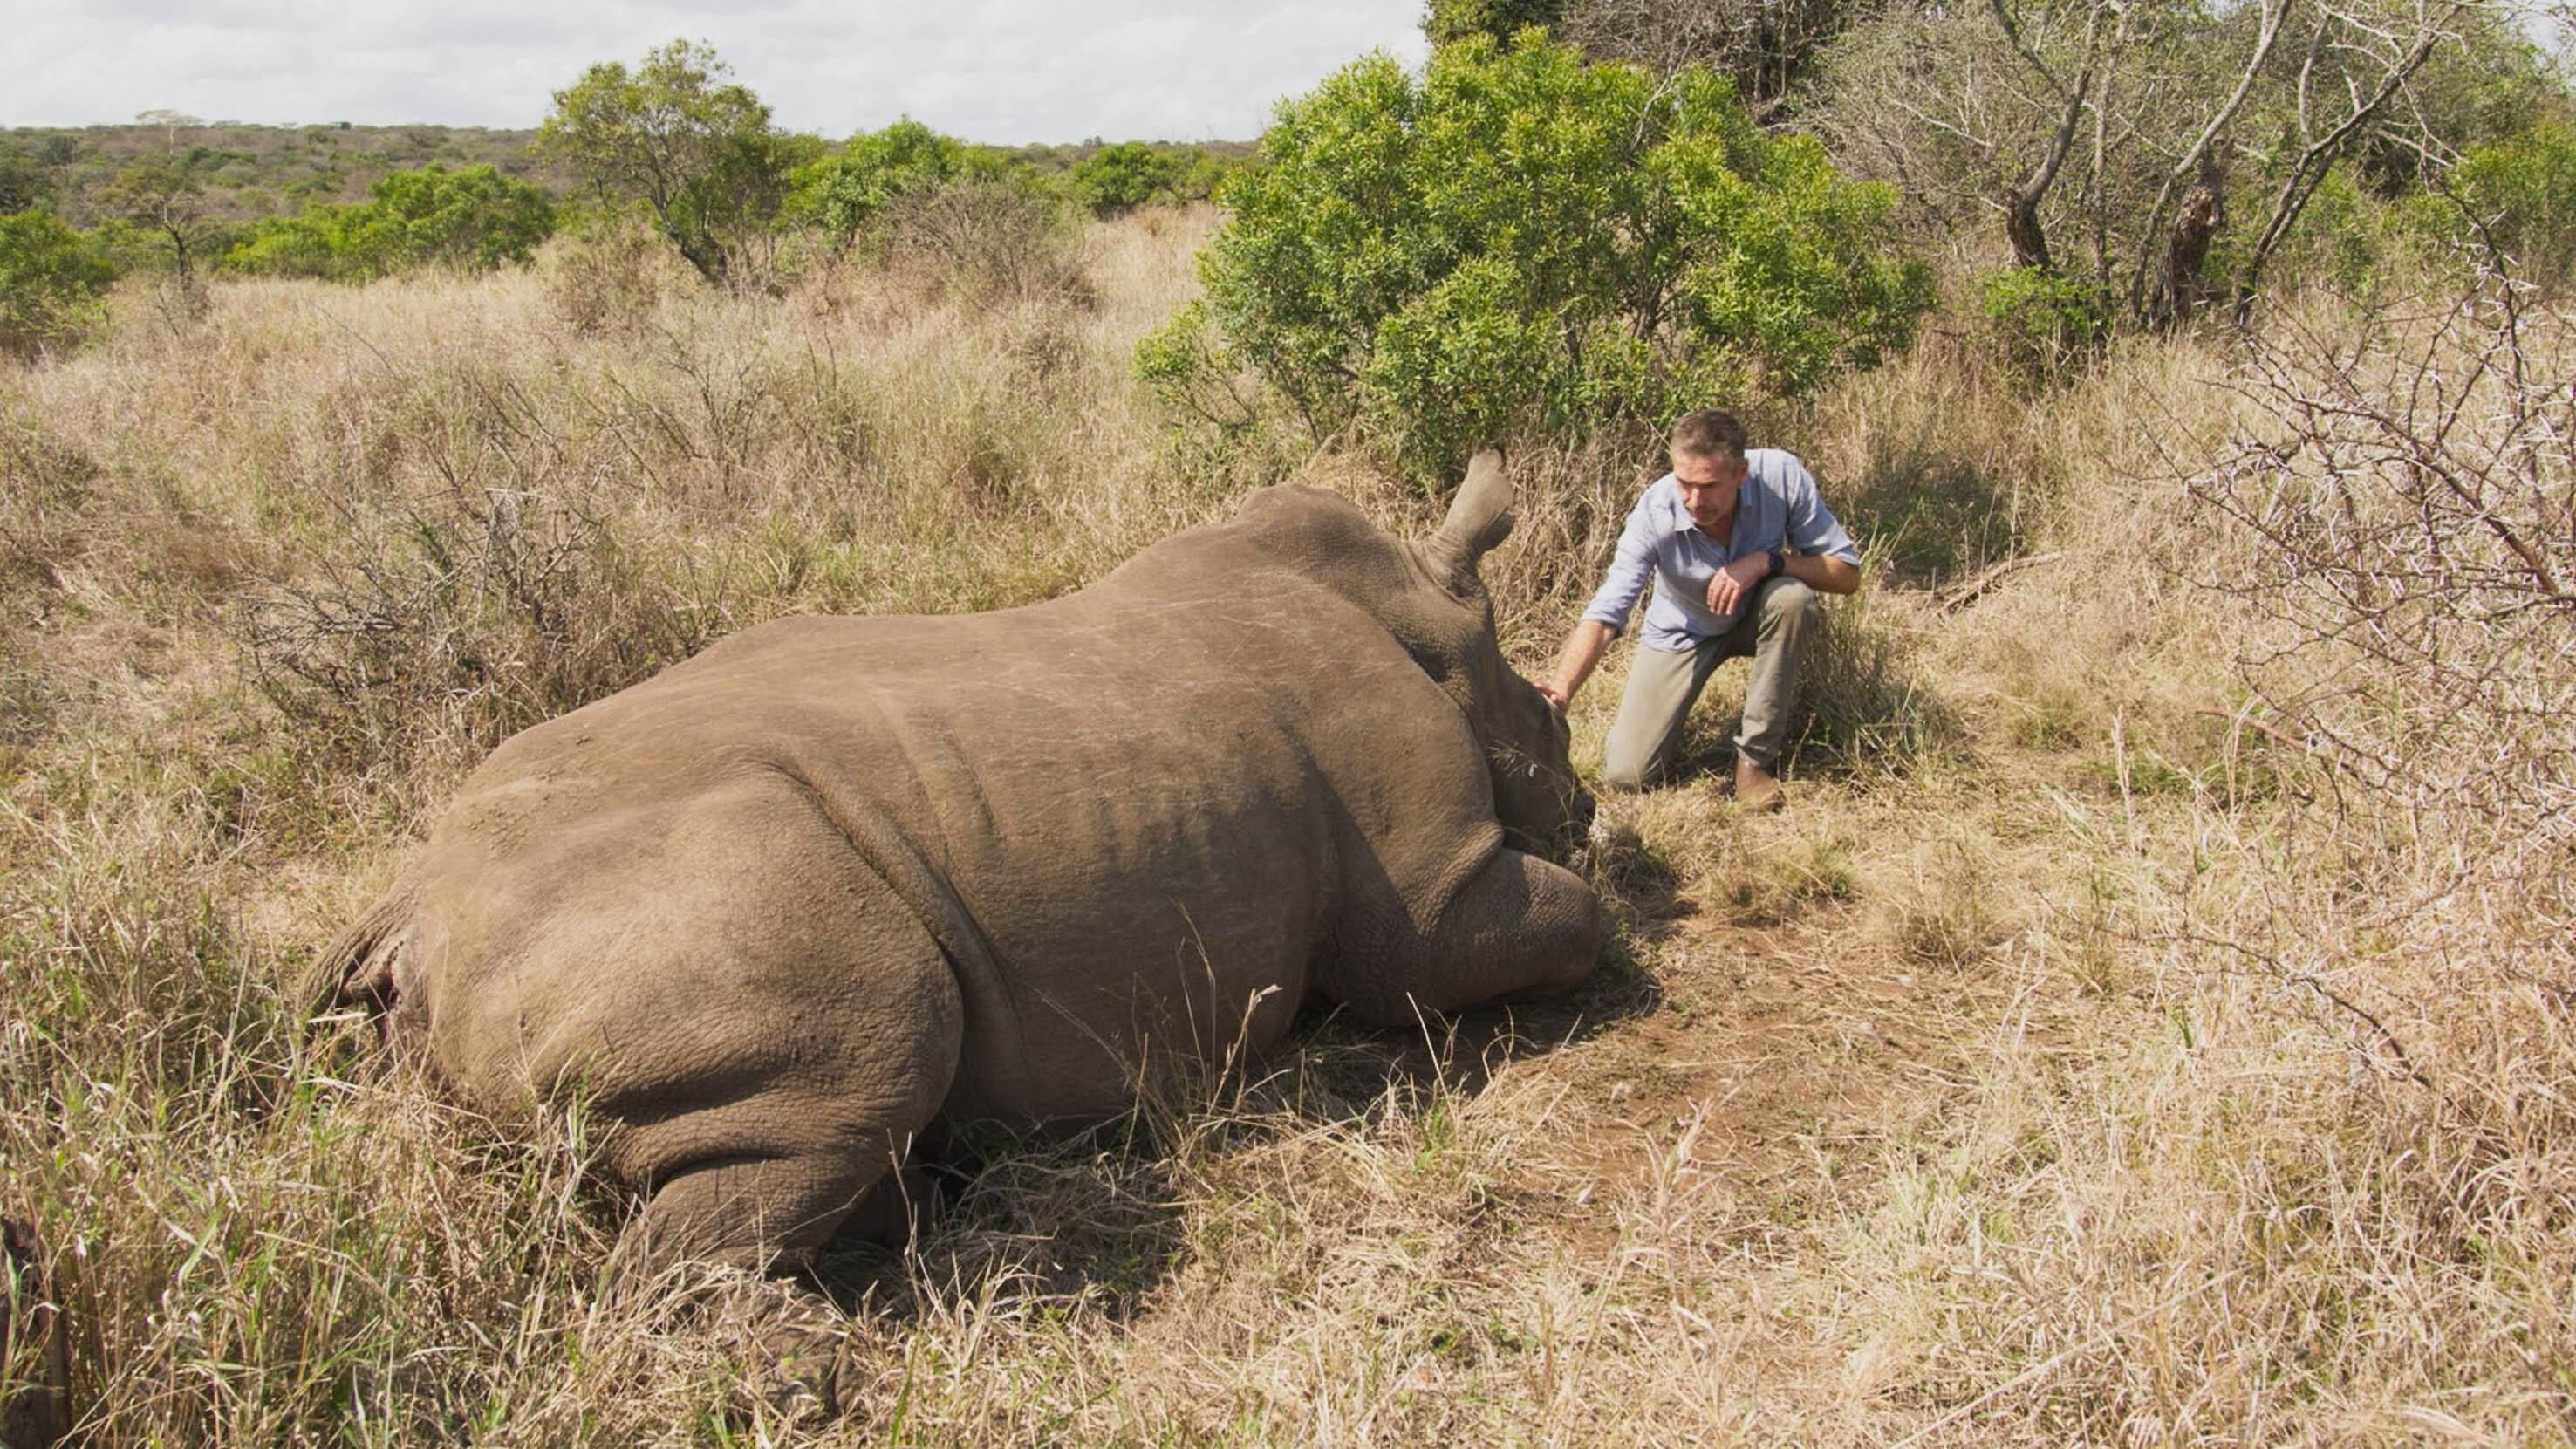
2010	1088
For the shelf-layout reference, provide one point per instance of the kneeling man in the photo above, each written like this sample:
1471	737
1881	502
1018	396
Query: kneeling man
1739	547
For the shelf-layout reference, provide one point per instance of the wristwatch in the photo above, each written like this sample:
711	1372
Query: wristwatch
1779	565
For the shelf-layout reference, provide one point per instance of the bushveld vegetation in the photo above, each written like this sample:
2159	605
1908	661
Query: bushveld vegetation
2148	1024
673	144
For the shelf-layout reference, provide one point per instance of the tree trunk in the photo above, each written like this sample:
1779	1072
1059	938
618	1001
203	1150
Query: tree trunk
2022	229
2180	292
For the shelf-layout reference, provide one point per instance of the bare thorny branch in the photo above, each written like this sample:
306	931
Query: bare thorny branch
2411	502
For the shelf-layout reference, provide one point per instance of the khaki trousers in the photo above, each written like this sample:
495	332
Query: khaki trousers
1662	686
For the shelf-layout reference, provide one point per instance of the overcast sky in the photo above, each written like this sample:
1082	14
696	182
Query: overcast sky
988	70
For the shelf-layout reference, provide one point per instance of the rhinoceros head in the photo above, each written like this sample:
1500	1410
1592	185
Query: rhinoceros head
1427	594
1536	795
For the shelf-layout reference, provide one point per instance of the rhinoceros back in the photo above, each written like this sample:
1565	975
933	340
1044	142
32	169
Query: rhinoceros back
1122	814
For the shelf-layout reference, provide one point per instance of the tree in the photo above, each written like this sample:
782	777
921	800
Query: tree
2159	152
162	195
1769	47
50	283
695	149
1522	242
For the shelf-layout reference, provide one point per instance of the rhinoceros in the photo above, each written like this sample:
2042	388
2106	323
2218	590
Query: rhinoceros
775	910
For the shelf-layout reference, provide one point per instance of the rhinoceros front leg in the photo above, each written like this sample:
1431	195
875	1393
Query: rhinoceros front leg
1520	928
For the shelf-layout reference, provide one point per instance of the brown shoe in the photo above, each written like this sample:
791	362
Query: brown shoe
1756	789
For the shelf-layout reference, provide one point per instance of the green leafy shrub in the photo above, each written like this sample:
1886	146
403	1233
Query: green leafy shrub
472	219
2045	322
2524	189
845	193
1117	179
51	283
853	194
1520	241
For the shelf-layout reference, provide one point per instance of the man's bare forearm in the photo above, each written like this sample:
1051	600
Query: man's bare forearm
1822	572
1576	661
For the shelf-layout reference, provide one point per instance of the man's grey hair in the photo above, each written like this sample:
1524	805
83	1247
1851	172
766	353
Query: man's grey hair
1709	433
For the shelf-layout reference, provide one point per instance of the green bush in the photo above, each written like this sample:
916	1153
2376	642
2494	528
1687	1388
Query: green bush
25	180
852	194
1522	242
2524	189
2046	321
473	219
51	283
1115	180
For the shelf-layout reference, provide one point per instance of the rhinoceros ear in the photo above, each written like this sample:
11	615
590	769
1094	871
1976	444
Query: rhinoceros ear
1479	517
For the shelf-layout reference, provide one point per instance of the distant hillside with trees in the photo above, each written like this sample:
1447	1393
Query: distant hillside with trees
673	146
250	172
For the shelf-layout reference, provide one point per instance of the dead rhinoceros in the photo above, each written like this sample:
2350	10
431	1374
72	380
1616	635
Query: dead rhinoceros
775	910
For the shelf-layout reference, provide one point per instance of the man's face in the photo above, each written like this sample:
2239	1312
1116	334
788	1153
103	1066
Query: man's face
1708	483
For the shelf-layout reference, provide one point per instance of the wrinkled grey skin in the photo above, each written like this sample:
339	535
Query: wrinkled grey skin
776	910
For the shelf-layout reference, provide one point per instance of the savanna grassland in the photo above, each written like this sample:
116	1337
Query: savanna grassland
2085	1056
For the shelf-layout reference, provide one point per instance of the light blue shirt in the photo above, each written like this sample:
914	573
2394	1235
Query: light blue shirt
1776	508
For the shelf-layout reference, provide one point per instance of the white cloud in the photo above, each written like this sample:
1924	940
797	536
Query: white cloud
989	70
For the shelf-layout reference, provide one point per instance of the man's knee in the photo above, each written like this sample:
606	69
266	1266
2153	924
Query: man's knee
1622	774
1789	604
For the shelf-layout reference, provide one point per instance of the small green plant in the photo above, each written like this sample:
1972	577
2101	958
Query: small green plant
2045	322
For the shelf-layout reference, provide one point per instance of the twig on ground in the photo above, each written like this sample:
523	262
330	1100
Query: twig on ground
1961	595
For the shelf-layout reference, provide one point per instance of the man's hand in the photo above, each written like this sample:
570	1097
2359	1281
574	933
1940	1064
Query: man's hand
1583	649
1735	581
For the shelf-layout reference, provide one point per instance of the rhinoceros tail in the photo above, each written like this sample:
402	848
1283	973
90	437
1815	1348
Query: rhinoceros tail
356	967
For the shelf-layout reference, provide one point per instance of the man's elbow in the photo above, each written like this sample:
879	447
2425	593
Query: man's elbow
1841	576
